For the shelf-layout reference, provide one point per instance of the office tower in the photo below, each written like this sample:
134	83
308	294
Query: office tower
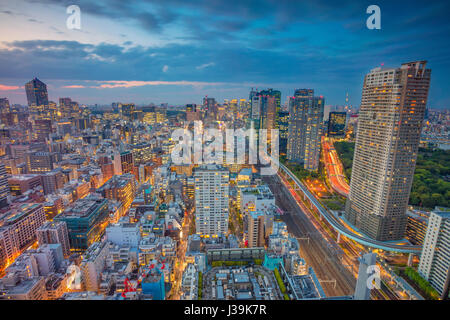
336	124
305	128
434	263
255	229
65	106
42	129
192	112
362	290
211	200
52	181
127	162
41	162
37	95
210	107
255	110
161	114
268	112
4	105
4	186
127	111
142	153
85	219
275	94
283	126
389	125
52	232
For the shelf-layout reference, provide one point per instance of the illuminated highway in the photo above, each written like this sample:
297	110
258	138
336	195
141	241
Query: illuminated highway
343	229
334	168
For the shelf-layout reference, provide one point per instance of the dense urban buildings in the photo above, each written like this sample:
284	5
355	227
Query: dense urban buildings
93	206
389	124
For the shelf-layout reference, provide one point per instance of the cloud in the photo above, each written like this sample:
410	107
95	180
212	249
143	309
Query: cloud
205	65
134	83
8	88
74	86
165	68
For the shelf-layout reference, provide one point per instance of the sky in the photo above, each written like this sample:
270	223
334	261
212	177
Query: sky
178	51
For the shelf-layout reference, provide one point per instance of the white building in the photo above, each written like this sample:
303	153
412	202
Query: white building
211	200
259	198
434	263
124	234
93	263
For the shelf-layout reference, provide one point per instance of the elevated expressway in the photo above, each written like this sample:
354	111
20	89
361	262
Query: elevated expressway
340	228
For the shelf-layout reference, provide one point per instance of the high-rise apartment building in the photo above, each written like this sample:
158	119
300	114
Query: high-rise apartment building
389	124
434	263
211	200
305	128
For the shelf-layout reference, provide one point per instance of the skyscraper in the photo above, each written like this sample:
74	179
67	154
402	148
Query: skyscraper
305	128
336	124
268	112
211	200
283	126
37	95
389	125
434	263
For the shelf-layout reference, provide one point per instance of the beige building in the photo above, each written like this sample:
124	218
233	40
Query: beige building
389	125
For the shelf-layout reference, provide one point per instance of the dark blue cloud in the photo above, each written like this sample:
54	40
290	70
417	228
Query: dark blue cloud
323	44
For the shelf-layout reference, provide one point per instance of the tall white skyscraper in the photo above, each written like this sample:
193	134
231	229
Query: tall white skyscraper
389	124
434	263
211	200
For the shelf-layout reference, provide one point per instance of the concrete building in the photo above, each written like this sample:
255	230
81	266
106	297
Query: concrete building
124	234
85	221
256	229
211	200
92	264
305	128
389	124
434	263
18	229
54	232
121	188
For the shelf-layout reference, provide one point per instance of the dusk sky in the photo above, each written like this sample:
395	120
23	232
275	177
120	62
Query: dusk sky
178	51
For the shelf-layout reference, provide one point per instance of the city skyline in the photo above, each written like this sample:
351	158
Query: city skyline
145	52
236	151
